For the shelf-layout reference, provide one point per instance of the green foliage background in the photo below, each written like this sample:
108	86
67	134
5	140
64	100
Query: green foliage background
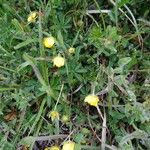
111	58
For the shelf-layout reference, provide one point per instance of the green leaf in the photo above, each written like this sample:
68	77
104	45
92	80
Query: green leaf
120	80
29	59
25	43
85	131
77	147
60	39
94	34
17	25
134	135
7	89
79	137
27	140
124	61
23	65
4	50
122	2
131	95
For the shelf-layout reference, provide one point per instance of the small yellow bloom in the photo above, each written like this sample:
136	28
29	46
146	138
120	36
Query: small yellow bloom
71	50
68	145
65	118
92	100
54	115
59	61
48	42
32	17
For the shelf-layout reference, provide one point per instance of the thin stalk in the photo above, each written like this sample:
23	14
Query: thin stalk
8	69
104	132
136	26
26	5
103	139
59	96
5	51
44	67
116	13
56	126
111	147
37	132
7	89
42	51
100	113
93	19
100	14
50	137
98	11
133	21
38	116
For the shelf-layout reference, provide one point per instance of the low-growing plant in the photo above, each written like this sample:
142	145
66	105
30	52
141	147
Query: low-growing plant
74	75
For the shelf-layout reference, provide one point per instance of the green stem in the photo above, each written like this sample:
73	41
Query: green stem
38	116
116	13
101	14
42	52
37	131
59	96
44	66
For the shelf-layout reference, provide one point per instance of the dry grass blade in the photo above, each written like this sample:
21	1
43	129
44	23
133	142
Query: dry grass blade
98	11
133	20
50	137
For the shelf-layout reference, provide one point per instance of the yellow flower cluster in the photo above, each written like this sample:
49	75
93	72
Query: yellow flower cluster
49	42
58	61
92	100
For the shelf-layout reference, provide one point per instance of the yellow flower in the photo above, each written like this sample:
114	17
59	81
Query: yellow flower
54	115
48	42
92	100
71	50
59	61
65	118
32	17
52	148
68	145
